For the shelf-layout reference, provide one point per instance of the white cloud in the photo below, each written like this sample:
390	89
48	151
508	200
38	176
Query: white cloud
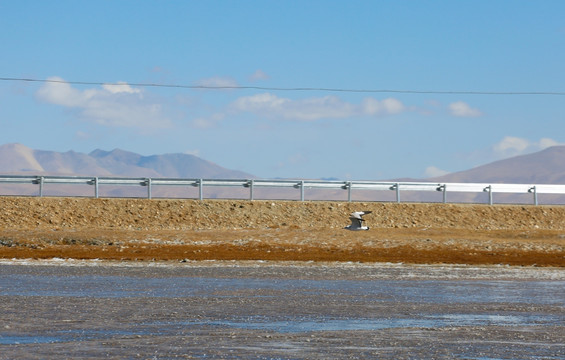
61	93
259	103
513	146
115	105
462	109
259	75
432	171
120	87
544	143
372	106
311	109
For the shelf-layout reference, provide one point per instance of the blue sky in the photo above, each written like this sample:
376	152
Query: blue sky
425	46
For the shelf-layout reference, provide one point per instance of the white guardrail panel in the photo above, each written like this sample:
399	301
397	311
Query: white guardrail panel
367	185
548	189
120	181
411	186
19	179
511	188
175	182
224	182
276	183
310	184
301	185
465	187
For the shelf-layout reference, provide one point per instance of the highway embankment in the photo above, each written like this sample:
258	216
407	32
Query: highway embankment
163	229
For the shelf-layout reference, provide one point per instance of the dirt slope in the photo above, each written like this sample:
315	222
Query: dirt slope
280	230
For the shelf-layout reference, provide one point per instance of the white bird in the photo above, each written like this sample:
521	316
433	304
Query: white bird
357	220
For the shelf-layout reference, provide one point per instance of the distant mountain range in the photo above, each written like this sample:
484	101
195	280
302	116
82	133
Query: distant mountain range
543	167
20	159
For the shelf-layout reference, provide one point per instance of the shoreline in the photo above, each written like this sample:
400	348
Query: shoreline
310	270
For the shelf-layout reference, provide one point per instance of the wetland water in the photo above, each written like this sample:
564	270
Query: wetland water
240	310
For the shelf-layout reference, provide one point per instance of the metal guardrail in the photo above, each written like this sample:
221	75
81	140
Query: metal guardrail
349	186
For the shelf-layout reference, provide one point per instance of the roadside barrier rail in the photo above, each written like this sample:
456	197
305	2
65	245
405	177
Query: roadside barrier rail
301	185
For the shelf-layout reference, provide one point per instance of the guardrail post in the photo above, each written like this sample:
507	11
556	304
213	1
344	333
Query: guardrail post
397	192
41	180
96	194
251	186
148	184
533	190
200	189
444	189
349	191
301	190
489	189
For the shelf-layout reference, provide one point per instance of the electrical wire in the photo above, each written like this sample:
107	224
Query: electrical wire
264	88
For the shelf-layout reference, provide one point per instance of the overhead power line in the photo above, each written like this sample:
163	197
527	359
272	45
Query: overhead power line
266	88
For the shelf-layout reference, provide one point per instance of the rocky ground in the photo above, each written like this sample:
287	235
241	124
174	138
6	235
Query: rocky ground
142	229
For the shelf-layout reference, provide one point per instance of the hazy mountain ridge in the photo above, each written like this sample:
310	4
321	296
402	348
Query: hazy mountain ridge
20	159
543	167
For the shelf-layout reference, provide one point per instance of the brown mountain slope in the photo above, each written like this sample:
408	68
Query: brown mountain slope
17	159
543	167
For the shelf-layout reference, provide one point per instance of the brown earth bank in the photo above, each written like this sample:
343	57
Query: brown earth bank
157	229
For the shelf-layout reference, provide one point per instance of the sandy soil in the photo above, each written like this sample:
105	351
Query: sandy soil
141	229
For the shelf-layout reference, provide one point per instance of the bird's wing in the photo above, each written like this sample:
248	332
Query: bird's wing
359	214
356	223
356	215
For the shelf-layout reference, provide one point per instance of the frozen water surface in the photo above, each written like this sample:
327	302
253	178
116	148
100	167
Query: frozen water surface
63	309
430	291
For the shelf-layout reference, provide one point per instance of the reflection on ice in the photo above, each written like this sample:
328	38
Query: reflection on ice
293	325
29	339
420	291
416	321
